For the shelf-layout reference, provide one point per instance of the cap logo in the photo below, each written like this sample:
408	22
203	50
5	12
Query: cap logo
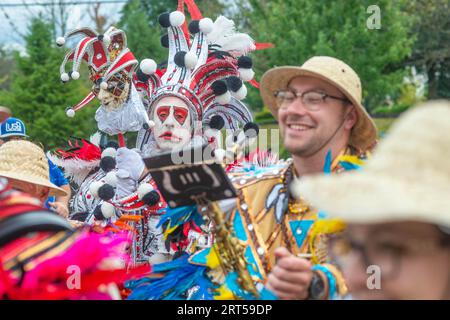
15	127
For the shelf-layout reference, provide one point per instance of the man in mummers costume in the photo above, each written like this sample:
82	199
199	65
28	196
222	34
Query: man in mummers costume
326	128
107	177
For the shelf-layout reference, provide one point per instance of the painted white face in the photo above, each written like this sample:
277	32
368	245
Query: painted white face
172	124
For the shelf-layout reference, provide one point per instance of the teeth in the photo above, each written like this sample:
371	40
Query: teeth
298	127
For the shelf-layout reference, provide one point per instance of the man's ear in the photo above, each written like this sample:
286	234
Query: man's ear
351	117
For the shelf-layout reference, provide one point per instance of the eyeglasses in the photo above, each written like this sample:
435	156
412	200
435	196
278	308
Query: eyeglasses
385	254
312	100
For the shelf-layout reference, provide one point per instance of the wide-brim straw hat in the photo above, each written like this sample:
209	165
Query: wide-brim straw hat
334	72
23	161
5	113
407	179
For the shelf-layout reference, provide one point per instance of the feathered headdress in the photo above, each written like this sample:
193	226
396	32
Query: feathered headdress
106	54
206	71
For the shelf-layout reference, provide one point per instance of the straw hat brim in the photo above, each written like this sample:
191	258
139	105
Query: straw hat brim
5	113
366	198
15	176
364	133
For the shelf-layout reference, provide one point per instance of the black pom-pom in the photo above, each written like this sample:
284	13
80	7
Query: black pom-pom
179	58
164	19
165	41
245	62
151	198
106	192
107	163
194	26
234	83
216	122
251	129
98	214
100	37
70	74
145	126
112	144
142	77
219	87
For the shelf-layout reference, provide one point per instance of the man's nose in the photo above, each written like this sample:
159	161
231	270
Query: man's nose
296	107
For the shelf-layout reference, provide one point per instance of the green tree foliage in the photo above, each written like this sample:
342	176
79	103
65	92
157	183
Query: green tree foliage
431	52
37	95
300	29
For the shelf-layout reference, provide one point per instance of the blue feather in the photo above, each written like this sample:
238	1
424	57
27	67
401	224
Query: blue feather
179	278
327	165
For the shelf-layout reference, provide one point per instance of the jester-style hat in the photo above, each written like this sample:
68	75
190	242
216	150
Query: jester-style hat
207	71
107	56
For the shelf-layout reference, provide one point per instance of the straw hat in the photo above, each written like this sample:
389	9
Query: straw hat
5	113
335	72
23	161
408	177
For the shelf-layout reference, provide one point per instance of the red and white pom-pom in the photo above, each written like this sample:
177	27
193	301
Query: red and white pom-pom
143	189
246	74
94	187
241	93
148	66
75	75
70	113
107	209
206	25
109	152
65	77
111	178
177	18
60	41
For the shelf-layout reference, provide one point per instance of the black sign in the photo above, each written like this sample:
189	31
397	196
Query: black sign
190	175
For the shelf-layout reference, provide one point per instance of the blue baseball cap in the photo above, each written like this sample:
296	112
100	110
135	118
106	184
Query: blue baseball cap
12	127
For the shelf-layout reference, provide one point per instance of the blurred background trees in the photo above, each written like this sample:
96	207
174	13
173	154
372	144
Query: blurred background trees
405	60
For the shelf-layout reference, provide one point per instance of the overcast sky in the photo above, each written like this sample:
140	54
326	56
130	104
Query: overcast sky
10	29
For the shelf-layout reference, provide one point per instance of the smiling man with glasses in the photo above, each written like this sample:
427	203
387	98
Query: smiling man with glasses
323	124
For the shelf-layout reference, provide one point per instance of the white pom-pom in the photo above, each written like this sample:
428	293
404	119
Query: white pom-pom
190	60
151	124
93	188
70	113
219	154
108	210
224	98
241	93
246	74
104	85
109	152
65	77
176	18
148	66
111	178
75	75
106	39
294	188
206	25
60	41
143	189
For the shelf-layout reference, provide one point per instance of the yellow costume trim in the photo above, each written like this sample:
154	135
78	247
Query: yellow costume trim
320	227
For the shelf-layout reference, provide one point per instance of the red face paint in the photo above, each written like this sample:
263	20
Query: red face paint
180	114
163	113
